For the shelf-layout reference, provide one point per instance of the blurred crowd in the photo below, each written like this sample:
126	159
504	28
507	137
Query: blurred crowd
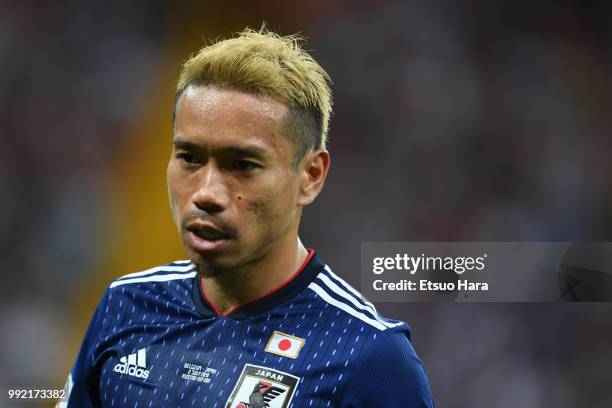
454	121
73	76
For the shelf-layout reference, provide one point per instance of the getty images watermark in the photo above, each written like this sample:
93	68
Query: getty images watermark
487	271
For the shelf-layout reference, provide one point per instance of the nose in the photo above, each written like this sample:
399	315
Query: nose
211	194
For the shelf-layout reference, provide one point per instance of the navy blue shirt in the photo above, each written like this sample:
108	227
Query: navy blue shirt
314	341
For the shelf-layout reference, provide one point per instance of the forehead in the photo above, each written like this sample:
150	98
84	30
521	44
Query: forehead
218	117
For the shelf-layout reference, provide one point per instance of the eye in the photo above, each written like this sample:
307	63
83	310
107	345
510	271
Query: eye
186	158
243	165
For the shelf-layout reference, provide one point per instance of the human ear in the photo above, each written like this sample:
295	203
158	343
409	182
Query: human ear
313	171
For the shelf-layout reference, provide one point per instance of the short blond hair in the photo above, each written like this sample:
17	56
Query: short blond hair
265	63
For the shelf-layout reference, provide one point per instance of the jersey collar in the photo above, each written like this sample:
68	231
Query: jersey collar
281	294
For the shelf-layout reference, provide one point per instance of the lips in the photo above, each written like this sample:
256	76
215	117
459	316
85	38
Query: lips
209	234
205	237
207	231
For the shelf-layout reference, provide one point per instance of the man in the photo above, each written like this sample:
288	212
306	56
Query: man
254	319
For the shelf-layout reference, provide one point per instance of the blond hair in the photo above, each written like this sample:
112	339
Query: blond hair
265	63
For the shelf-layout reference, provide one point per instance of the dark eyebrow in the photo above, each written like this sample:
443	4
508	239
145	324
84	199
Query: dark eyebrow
185	145
248	150
252	151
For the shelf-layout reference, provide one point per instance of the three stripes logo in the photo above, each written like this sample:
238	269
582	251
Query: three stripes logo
134	364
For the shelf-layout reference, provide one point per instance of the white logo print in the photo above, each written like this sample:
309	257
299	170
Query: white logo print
134	364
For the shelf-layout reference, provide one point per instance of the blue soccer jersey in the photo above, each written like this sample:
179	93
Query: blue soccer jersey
156	341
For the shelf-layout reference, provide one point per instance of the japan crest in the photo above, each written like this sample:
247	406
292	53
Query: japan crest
262	387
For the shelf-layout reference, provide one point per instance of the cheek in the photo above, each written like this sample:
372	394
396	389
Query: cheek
173	205
170	187
179	185
260	208
270	208
175	191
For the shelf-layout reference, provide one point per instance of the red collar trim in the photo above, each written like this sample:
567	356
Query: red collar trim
270	293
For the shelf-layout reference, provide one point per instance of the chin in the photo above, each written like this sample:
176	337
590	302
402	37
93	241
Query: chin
211	265
208	269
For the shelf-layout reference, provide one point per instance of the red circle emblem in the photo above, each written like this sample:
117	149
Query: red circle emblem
284	345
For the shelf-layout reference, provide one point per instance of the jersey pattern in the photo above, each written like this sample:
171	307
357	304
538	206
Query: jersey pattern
156	341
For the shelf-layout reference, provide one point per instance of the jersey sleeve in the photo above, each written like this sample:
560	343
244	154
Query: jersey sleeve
389	375
82	386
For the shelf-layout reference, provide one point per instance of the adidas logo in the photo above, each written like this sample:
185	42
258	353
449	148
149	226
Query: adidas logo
134	364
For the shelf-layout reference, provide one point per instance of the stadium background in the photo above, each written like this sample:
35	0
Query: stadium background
467	120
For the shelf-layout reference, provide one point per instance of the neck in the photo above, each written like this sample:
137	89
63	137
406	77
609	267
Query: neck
246	284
